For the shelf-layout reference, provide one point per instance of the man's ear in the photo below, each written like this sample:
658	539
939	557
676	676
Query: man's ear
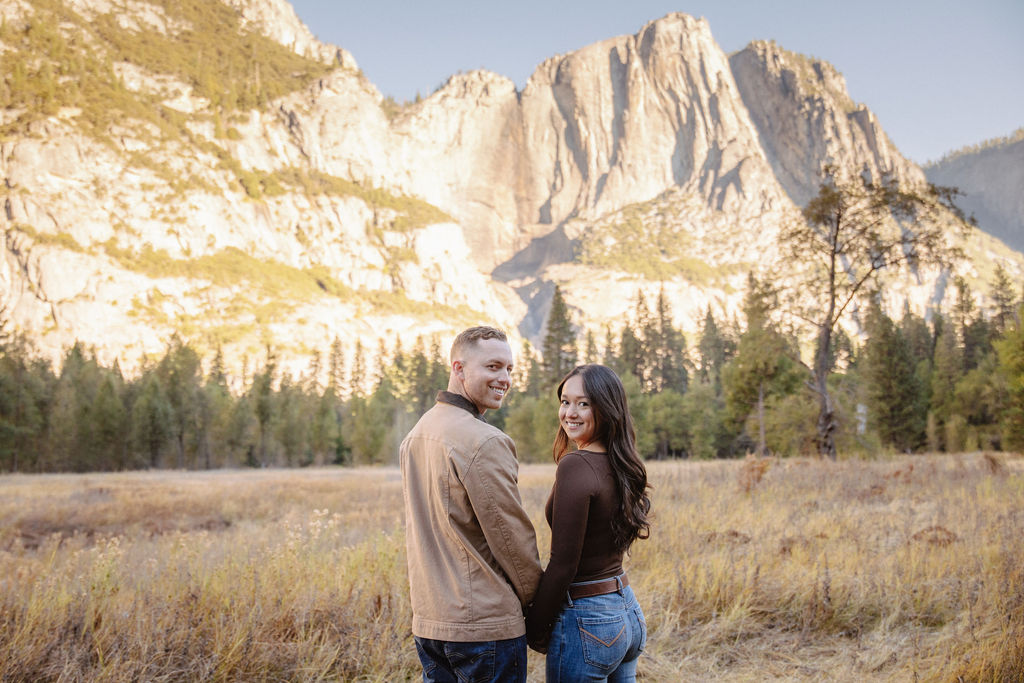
457	368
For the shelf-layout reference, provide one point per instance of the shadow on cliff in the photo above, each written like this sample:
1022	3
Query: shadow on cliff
554	247
526	268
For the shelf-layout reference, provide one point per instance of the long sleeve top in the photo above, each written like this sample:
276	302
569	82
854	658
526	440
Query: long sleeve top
580	509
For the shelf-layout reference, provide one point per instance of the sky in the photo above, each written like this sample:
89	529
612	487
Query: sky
939	75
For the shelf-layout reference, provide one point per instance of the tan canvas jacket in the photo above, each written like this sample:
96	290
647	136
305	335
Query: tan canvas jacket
472	550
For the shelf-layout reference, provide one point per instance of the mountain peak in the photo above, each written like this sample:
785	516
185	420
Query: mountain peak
290	202
277	20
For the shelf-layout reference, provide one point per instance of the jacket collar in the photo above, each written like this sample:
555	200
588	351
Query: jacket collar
459	401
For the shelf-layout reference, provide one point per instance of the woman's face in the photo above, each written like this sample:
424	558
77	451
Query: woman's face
576	415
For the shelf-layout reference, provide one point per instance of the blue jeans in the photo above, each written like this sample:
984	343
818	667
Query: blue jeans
597	639
446	661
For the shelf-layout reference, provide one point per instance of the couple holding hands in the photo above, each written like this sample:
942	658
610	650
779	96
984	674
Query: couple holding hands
479	594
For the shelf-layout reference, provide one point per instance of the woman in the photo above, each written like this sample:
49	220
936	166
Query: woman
585	616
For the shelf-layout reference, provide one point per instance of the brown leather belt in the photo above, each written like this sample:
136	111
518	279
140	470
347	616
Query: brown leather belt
589	590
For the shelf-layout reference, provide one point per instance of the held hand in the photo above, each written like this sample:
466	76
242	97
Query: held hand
534	638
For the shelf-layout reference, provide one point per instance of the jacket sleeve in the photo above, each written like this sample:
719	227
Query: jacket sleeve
492	484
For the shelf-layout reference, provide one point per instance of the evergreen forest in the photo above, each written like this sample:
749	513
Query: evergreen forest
952	382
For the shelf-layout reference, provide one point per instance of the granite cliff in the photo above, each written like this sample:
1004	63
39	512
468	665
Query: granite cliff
279	199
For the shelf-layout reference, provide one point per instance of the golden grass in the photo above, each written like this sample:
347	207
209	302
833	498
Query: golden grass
906	569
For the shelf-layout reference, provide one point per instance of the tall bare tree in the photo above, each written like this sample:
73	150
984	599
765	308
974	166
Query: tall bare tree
855	228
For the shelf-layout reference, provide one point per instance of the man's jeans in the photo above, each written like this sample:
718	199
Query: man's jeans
445	661
597	639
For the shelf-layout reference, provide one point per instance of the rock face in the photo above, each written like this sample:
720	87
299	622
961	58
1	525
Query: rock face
613	124
324	215
991	178
806	120
276	19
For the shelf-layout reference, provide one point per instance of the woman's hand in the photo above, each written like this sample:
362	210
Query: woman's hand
536	641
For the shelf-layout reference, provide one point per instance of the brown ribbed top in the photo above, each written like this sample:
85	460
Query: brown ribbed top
580	509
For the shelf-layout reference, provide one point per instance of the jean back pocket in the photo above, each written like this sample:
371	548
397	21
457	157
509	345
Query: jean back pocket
605	640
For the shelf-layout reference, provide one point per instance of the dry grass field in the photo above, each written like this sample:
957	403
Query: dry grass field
893	570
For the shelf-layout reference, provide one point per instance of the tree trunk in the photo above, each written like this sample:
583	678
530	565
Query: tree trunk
826	412
760	421
826	427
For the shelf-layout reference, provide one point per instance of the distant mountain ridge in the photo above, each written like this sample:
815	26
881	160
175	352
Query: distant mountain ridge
245	194
991	175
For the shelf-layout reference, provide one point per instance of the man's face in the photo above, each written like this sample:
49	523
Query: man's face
484	372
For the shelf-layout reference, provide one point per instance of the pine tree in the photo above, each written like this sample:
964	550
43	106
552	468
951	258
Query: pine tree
311	385
110	420
971	328
611	358
921	343
558	350
590	353
357	374
151	419
62	428
336	368
895	401
217	407
763	365
529	373
917	334
636	356
947	369
264	400
981	397
24	396
77	388
668	348
1010	349
440	368
179	372
714	350
632	354
325	430
1004	303
291	422
385	361
218	373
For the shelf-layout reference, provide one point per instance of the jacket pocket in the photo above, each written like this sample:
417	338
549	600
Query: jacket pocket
605	640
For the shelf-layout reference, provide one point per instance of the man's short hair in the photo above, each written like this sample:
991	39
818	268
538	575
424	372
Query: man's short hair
472	336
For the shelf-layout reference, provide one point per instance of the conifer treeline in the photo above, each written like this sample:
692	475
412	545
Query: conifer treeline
88	417
954	382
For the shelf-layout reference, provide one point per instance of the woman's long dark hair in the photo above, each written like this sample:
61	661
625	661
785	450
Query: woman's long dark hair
613	426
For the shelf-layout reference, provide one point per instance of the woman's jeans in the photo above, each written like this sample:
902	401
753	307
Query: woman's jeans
597	639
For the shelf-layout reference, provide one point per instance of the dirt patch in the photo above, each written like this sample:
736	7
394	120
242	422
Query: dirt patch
935	535
728	537
31	534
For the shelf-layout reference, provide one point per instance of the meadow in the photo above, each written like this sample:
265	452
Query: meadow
897	569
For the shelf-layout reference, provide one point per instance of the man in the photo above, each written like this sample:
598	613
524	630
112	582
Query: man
472	551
